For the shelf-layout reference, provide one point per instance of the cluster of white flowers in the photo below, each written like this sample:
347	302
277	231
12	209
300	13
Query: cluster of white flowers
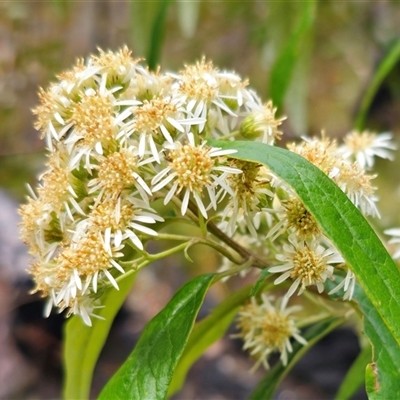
121	138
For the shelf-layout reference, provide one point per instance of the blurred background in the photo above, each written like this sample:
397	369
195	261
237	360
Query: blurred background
342	47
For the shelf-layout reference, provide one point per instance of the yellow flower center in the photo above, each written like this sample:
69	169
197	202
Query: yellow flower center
300	219
116	171
93	120
152	114
276	328
199	82
359	141
193	166
90	256
107	215
308	266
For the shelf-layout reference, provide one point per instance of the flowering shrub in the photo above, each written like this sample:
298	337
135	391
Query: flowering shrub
132	151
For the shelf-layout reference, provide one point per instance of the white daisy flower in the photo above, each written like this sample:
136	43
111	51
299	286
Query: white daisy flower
363	147
306	264
192	170
267	328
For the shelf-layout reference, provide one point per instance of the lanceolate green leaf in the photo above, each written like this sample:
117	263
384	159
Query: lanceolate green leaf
391	58
285	64
344	225
384	383
355	376
205	333
83	344
260	282
148	28
147	372
157	35
383	375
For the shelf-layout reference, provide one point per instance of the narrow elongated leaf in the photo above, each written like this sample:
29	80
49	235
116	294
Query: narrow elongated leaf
384	382
205	333
383	375
148	28
267	386
83	344
351	234
285	64
260	282
385	67
147	372
157	35
355	376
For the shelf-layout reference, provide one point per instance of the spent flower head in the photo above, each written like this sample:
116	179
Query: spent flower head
266	326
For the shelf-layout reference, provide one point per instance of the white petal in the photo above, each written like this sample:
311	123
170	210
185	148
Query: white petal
200	204
135	240
111	279
185	202
143	229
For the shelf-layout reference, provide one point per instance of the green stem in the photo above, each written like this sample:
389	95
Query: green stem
234	270
246	254
208	242
229	135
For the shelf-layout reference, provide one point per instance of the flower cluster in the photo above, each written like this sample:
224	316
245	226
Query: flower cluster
127	147
119	138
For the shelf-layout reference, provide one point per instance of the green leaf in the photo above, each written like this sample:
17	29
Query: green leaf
260	281
384	382
355	377
205	333
147	28
148	371
385	352
268	385
340	220
285	64
391	58
157	35
83	344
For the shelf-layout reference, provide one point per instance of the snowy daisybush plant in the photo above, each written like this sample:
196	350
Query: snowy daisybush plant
132	152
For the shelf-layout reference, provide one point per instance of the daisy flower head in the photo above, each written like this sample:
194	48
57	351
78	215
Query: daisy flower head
77	265
122	218
261	124
53	114
267	326
156	121
193	170
353	181
305	264
322	152
203	87
117	172
250	189
363	147
294	218
146	85
116	68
